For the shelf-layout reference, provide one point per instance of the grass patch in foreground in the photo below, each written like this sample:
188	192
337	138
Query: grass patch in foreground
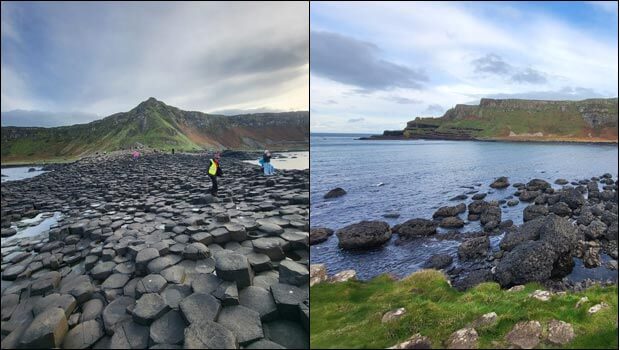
348	315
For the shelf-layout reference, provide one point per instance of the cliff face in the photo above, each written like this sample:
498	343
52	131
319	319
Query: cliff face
154	124
592	120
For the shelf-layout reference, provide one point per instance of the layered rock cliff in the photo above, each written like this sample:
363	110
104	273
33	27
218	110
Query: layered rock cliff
592	120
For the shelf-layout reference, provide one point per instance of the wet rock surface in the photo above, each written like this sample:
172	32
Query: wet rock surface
145	257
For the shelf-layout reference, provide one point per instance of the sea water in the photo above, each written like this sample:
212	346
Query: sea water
414	178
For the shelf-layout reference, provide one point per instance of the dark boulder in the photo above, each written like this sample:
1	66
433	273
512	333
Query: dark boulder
547	256
476	207
320	234
500	182
561	209
527	262
451	222
612	231
478	196
572	197
449	211
537	185
595	230
438	261
528	196
415	228
534	211
364	235
336	192
490	217
528	231
474	248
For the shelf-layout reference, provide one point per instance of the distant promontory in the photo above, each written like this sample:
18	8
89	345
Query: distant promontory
591	120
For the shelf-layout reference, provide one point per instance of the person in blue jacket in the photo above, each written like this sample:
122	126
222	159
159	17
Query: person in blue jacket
265	163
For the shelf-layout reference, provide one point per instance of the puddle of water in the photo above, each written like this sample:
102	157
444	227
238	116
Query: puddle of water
32	231
20	173
601	273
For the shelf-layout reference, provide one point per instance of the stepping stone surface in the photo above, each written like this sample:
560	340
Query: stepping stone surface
168	329
244	323
233	267
200	307
84	335
148	308
47	330
209	335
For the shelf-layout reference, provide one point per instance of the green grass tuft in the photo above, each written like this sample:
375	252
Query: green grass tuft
348	315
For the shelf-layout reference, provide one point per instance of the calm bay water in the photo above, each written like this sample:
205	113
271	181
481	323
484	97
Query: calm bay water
414	178
20	173
287	160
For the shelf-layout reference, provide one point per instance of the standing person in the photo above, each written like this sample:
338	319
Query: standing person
214	171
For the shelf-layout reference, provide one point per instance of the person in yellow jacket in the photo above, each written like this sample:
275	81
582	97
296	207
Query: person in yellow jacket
214	171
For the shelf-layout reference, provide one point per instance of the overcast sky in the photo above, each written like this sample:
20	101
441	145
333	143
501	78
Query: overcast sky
77	61
375	66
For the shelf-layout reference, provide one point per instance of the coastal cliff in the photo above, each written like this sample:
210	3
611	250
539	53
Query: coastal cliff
591	120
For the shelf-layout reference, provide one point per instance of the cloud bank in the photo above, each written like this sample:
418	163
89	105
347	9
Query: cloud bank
103	58
422	58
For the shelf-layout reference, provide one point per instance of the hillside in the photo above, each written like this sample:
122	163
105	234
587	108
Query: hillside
154	124
592	120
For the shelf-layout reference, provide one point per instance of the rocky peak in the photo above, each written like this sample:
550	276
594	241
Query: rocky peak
151	103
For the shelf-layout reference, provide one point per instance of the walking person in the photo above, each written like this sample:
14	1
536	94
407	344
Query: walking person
214	171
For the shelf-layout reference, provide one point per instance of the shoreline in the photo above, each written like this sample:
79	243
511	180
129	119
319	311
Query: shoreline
238	154
560	142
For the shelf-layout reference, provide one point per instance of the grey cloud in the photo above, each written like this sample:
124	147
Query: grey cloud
106	58
355	62
403	100
331	102
529	75
254	58
565	93
245	111
20	117
355	120
491	63
495	64
434	109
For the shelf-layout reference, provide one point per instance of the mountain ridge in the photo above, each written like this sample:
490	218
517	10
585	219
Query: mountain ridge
590	120
154	124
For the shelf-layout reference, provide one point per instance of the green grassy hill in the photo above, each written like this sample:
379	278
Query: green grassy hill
592	120
349	314
156	125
